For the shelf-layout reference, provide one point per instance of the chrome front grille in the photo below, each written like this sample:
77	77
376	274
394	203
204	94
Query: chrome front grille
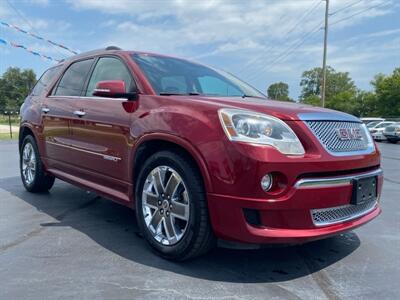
327	134
332	215
390	129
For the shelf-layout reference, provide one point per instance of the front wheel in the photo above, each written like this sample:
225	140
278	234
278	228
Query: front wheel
171	207
33	175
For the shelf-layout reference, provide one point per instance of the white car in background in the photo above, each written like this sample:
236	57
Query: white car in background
392	133
370	120
376	129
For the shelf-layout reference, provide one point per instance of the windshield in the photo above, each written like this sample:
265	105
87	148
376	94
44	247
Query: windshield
373	124
383	125
172	76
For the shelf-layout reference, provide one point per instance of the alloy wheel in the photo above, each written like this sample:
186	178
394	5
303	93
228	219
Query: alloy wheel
28	163
165	205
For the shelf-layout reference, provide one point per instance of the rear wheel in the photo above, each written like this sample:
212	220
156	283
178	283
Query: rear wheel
171	207
33	175
392	141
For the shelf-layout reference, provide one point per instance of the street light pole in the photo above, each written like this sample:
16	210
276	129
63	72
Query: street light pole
323	85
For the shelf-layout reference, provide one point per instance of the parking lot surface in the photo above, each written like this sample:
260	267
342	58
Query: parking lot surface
73	244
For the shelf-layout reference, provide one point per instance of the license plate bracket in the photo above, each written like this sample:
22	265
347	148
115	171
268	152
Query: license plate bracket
364	190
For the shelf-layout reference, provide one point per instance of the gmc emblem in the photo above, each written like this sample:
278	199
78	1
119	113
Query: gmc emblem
347	134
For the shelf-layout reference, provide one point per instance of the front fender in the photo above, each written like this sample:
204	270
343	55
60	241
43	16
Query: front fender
189	147
193	127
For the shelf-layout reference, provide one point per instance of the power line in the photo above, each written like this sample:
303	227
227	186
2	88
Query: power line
304	16
346	7
292	28
359	12
288	51
295	47
30	24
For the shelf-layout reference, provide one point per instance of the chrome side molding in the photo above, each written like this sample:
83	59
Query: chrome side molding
104	156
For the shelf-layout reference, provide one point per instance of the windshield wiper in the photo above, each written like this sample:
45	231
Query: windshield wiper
250	96
180	94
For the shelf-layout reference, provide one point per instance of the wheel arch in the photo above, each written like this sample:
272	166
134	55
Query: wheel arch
149	144
24	131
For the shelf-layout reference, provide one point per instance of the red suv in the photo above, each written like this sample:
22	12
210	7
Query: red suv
200	155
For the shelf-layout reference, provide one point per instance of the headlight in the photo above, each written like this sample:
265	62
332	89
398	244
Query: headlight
252	127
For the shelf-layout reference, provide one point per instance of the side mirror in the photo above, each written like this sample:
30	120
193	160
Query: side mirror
113	89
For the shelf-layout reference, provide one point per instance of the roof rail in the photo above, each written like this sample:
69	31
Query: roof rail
113	48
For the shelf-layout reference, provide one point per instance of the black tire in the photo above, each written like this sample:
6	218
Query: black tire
392	141
42	182
198	237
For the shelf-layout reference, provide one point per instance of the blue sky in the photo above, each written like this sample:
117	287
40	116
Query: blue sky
261	41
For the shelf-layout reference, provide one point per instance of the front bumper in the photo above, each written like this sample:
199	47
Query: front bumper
289	219
392	136
378	136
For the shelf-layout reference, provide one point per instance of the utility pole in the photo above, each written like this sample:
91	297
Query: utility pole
323	85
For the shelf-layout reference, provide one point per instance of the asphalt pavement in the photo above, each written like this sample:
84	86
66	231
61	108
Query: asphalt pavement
70	243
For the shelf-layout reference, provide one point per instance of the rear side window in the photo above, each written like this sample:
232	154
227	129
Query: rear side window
45	80
110	68
73	80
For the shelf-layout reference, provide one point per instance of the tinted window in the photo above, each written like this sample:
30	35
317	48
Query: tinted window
73	80
109	68
172	75
45	80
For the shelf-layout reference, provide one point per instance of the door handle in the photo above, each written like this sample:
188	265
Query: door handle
79	113
45	110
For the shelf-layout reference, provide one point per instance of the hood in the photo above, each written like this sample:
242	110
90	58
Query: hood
286	111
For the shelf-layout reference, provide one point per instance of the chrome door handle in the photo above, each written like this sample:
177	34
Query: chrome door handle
45	110
79	113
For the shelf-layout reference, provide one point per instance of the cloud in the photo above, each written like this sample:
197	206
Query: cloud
244	37
218	26
249	37
38	2
4	9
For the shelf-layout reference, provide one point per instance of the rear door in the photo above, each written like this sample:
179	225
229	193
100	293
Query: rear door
102	133
37	96
58	110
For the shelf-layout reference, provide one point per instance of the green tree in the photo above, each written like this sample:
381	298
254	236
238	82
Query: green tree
367	104
311	82
340	91
279	91
15	85
311	100
387	90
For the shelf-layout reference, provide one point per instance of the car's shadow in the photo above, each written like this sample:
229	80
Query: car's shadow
114	227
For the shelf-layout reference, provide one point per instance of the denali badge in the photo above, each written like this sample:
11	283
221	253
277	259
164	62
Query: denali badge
347	134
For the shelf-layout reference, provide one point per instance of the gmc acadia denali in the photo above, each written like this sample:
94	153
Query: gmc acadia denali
200	155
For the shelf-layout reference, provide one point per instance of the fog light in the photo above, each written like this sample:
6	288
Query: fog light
266	182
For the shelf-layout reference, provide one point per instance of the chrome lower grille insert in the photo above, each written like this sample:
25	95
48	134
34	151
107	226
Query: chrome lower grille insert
333	215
